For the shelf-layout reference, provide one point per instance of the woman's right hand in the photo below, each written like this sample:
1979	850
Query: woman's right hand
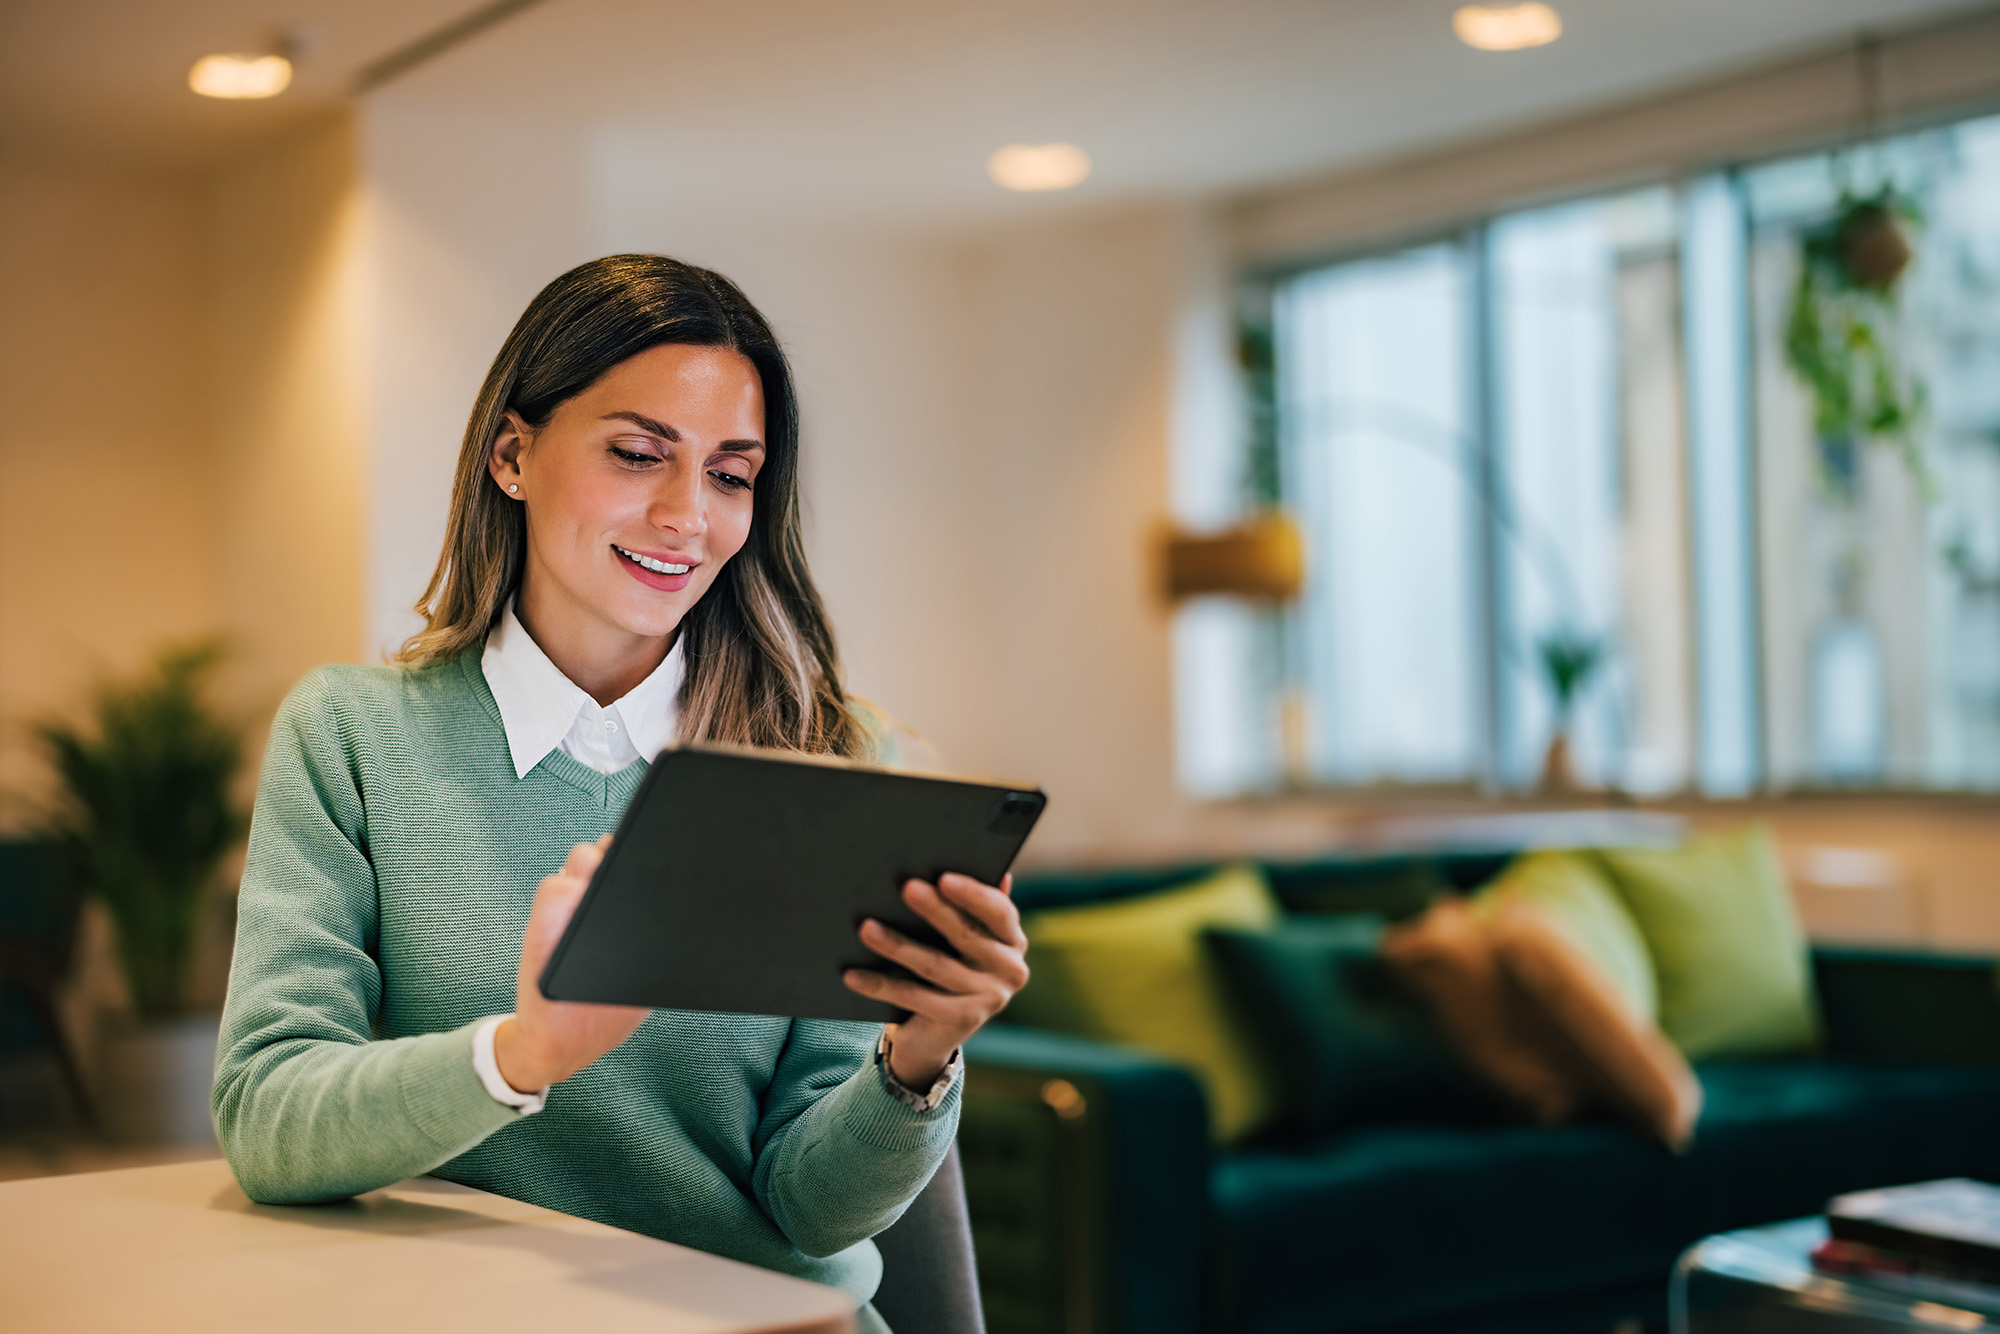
548	1041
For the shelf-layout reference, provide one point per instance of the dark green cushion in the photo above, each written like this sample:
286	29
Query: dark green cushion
1379	1226
1342	1044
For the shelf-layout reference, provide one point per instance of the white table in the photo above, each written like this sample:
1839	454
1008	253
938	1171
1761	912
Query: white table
180	1247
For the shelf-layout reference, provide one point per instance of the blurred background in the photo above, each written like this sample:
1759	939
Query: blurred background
1277	428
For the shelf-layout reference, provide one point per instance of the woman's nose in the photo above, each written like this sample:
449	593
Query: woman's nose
678	505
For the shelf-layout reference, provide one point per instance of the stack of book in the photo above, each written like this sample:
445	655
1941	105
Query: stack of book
1936	1233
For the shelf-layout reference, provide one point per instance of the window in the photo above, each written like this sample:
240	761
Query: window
1576	442
1376	429
1881	570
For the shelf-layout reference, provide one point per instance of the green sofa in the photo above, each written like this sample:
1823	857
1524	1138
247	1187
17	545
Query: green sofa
1098	1204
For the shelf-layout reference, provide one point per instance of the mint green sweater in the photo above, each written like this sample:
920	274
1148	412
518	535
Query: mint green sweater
393	857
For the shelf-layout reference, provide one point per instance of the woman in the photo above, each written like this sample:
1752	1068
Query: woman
622	567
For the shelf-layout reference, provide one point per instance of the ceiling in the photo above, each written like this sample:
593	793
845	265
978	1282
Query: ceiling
802	105
107	79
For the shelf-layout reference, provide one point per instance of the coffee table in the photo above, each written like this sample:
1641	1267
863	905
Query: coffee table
1761	1281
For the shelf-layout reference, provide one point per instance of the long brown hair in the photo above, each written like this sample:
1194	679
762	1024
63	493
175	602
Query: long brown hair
761	665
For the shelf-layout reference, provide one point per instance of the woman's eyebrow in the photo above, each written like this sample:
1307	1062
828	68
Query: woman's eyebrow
646	424
666	432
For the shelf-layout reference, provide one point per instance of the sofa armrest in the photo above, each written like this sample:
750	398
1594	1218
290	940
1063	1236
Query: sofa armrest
1909	1007
1086	1169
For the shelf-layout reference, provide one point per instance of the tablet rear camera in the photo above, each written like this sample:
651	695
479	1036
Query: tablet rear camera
1016	814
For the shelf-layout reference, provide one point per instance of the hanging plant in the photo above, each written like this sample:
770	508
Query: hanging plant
1842	338
1257	358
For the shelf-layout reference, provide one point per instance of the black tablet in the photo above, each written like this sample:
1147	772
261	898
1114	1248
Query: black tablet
738	878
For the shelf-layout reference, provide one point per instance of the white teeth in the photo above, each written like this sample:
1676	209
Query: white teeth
648	563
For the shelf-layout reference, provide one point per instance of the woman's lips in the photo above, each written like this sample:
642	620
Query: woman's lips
677	575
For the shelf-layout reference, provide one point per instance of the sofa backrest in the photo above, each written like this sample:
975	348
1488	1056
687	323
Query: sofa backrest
1396	885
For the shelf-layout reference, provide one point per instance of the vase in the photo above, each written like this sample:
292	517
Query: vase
1558	768
154	1078
1849	703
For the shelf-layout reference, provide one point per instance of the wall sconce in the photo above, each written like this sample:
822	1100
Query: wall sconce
1263	558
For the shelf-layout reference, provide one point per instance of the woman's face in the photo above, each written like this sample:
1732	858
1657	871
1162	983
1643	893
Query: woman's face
638	491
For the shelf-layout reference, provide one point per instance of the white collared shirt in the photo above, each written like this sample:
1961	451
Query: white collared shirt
543	710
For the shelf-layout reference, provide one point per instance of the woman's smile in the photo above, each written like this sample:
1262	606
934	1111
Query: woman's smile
656	571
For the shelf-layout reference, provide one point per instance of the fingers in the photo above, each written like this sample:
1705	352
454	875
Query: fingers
584	858
934	966
964	935
993	908
959	1012
974	908
555	904
557	897
986	958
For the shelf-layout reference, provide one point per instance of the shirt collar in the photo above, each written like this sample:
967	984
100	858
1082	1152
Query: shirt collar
539	705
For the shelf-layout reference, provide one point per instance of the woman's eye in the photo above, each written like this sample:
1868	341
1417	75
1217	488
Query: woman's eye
730	480
634	456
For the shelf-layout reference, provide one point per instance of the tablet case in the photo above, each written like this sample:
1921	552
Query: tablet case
738	878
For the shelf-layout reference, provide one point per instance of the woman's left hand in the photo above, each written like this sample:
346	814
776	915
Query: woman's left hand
955	996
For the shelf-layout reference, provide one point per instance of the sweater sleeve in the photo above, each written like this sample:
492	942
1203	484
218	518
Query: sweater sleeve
839	1157
307	1106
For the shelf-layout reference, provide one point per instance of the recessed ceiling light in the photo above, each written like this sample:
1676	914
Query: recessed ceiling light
1507	27
1038	166
240	76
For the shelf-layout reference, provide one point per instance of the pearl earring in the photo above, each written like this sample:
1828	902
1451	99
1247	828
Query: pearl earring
512	489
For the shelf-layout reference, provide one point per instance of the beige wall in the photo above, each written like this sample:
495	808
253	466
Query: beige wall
287	292
108	505
180	426
1904	871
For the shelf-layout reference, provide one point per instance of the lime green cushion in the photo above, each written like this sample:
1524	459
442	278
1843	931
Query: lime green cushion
1136	972
1733	970
1576	894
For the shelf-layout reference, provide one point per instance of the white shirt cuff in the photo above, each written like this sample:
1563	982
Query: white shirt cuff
488	1070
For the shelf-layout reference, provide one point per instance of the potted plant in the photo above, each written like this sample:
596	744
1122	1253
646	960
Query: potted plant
1568	661
143	819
